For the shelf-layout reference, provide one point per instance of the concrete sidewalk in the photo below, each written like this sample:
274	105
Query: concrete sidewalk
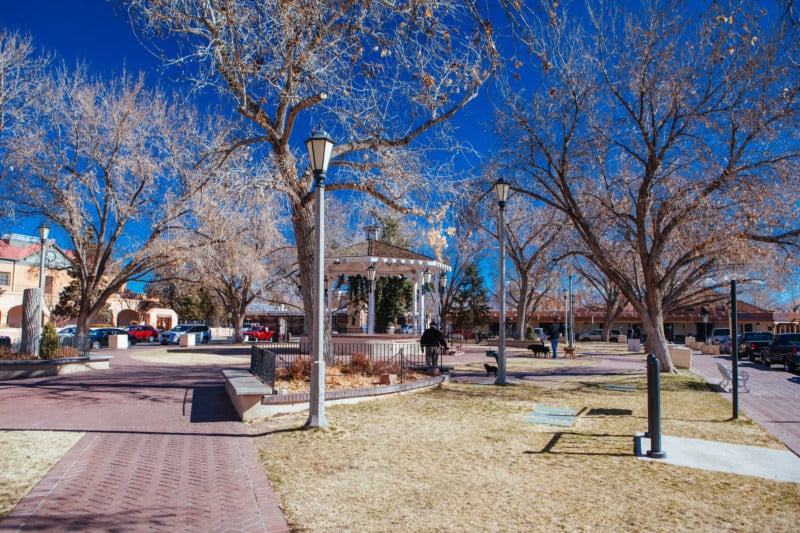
163	450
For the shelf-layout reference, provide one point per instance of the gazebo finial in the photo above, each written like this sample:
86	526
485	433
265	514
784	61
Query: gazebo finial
373	232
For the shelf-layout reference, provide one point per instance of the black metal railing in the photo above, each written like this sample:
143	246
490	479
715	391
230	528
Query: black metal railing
267	357
262	364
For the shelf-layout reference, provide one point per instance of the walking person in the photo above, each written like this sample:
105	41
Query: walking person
432	340
554	334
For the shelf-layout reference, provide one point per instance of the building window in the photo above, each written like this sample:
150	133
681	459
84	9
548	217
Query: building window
4	276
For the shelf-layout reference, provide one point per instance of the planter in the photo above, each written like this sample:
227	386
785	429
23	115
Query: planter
31	368
681	357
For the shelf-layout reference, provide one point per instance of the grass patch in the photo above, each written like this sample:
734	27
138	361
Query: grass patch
27	456
461	458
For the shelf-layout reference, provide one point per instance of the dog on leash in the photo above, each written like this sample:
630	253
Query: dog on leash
490	369
539	349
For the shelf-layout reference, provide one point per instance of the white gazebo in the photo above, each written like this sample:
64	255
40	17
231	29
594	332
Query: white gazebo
374	258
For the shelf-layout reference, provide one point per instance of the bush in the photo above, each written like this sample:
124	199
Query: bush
299	369
359	364
50	341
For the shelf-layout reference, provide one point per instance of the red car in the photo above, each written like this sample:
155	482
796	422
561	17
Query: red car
258	333
143	333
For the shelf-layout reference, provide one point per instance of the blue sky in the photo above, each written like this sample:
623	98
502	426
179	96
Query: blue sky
79	30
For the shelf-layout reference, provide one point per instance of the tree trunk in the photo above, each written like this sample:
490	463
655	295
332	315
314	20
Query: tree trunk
303	223
31	321
522	308
656	342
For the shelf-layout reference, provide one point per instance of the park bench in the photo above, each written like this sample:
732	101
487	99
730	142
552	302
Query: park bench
727	377
244	390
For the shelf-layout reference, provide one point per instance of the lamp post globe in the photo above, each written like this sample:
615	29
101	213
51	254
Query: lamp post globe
320	148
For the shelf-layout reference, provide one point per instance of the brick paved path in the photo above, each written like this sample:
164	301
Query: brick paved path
163	451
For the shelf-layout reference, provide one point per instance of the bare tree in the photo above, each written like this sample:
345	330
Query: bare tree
534	236
380	76
244	255
666	134
113	165
20	70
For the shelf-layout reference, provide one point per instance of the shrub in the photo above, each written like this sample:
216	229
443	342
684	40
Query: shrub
299	369
50	341
359	364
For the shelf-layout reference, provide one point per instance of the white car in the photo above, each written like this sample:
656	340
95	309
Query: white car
614	335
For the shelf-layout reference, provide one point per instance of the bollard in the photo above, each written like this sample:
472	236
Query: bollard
654	407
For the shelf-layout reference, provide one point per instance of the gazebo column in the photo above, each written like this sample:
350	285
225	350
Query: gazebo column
371	306
421	304
415	316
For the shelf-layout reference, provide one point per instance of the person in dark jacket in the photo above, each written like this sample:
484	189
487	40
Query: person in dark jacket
432	340
554	334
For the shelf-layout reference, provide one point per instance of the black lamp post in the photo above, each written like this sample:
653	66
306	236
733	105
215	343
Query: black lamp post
371	271
319	146
501	188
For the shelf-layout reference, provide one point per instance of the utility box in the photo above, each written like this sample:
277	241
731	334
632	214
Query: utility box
187	340
118	342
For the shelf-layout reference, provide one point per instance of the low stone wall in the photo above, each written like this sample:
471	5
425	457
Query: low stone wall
275	404
32	368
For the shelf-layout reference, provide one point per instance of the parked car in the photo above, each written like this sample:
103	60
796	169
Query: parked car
784	349
718	335
405	329
257	333
200	331
143	333
725	344
751	342
68	331
98	338
597	335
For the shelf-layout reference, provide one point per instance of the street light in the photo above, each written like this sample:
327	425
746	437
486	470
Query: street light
44	231
319	146
501	188
426	279
442	286
371	271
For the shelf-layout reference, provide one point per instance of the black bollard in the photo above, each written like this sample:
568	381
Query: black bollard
654	407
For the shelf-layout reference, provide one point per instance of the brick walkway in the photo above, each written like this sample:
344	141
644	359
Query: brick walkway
163	450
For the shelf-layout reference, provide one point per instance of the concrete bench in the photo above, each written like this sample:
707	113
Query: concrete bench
727	377
245	391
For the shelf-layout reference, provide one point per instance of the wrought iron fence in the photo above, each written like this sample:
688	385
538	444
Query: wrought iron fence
267	357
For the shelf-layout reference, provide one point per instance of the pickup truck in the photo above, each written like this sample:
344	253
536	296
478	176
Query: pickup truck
751	342
784	349
257	333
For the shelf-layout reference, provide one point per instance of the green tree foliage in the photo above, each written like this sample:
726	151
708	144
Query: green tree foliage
50	341
198	305
470	304
393	298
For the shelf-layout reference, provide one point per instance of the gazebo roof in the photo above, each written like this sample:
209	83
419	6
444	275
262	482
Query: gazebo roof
389	260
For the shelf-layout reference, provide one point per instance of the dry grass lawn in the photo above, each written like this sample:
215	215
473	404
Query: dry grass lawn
461	458
26	457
